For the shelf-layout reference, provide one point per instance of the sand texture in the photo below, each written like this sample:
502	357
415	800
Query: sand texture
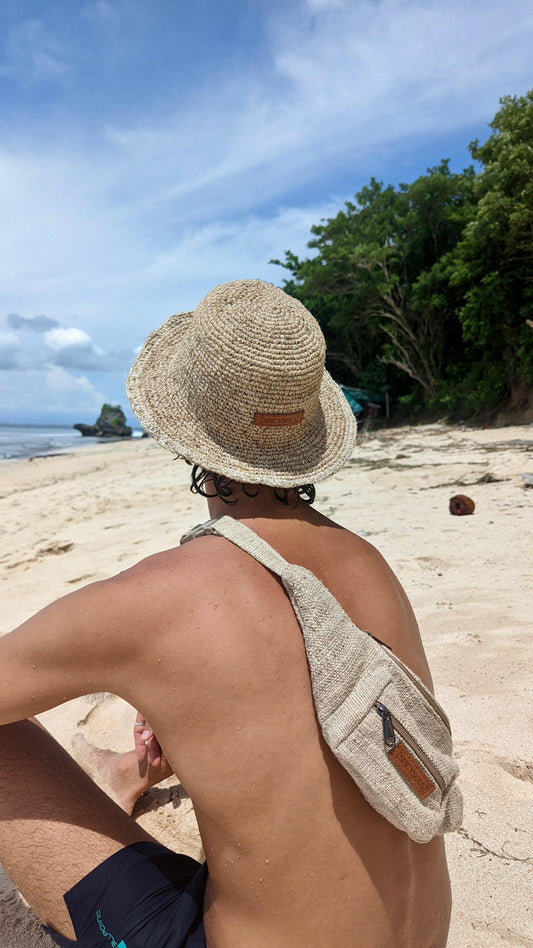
68	520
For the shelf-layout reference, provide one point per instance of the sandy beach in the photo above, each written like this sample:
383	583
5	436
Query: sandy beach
72	519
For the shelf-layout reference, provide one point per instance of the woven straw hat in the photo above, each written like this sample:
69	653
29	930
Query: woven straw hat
239	387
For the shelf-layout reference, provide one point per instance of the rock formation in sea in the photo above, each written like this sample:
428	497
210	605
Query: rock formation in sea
111	423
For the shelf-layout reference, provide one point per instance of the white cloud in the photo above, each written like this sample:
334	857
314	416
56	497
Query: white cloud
370	68
61	384
53	394
324	4
101	11
34	346
32	53
177	278
229	249
71	249
338	85
64	338
74	348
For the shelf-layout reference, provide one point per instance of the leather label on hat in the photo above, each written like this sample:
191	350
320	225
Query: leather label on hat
277	419
404	761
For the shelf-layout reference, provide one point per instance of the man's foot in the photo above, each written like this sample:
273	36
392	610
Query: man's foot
122	777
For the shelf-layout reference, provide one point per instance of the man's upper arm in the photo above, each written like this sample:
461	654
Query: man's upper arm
72	647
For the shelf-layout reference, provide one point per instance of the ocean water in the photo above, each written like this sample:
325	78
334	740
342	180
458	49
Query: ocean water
29	441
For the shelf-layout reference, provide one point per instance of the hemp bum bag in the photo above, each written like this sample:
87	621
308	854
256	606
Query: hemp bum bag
381	722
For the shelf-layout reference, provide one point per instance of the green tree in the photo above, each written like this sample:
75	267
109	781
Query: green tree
376	284
427	288
492	266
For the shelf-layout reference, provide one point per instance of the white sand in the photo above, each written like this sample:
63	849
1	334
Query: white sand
68	520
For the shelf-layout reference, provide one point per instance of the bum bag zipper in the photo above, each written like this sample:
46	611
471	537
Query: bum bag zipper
421	687
390	726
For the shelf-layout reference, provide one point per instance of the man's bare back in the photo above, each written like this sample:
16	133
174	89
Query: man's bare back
296	856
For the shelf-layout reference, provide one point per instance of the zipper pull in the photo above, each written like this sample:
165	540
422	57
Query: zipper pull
389	736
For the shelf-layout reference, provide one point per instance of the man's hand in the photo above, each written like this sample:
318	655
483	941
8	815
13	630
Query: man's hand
146	743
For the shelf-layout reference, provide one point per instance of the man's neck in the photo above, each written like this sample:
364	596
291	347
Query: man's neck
264	504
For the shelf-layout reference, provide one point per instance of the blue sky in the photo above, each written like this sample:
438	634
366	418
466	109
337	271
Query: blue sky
150	149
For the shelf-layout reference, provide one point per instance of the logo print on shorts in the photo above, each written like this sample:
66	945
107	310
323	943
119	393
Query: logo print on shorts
106	934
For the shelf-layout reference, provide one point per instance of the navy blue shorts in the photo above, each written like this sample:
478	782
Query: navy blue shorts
141	897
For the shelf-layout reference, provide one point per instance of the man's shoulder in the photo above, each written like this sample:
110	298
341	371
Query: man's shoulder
176	575
181	560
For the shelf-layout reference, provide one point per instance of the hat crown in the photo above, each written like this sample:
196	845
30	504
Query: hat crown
252	344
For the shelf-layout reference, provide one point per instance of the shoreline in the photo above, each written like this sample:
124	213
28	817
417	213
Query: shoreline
25	442
70	519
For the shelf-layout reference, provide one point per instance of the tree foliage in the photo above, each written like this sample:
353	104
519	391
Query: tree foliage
492	265
425	289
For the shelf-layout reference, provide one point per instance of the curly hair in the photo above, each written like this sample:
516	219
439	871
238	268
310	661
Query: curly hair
225	488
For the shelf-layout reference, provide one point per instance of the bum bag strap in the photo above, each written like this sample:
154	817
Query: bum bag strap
245	538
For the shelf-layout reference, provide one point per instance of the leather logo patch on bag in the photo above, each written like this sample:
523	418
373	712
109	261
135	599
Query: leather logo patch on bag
404	761
277	419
